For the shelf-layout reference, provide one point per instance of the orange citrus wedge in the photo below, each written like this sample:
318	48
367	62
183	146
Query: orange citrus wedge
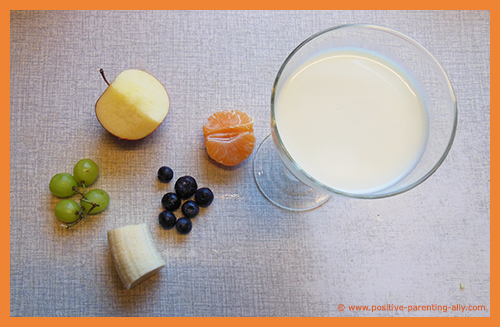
228	121
229	137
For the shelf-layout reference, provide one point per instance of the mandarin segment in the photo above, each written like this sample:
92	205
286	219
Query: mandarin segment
230	149
229	136
228	121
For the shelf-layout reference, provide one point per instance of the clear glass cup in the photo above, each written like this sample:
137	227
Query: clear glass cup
283	182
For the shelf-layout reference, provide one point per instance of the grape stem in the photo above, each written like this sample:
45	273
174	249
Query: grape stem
94	205
78	191
81	215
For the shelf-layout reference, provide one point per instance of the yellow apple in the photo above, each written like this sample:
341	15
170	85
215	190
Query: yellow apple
133	105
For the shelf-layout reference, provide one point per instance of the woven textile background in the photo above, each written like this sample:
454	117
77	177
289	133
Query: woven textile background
244	256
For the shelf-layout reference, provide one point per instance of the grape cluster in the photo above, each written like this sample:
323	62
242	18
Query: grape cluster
185	188
64	185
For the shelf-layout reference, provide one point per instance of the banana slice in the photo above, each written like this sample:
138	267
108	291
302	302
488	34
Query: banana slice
134	254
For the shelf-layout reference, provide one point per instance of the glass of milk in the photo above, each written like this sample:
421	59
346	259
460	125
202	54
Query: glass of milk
356	110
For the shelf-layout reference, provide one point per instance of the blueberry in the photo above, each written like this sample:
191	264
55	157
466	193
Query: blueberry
190	209
167	219
165	174
204	197
171	201
183	225
185	187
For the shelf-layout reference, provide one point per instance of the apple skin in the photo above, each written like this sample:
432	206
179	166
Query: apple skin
133	106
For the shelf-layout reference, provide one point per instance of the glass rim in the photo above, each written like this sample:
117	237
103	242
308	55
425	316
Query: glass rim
353	195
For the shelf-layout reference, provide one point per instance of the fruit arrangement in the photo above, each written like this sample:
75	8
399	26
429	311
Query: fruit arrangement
132	107
229	137
64	185
185	188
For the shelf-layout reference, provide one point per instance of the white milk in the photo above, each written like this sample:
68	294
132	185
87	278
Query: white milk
352	119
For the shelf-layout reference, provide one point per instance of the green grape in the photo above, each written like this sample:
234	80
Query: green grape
86	171
62	184
67	211
95	196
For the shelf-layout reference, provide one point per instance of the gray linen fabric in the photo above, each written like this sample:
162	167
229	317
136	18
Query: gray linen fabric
244	256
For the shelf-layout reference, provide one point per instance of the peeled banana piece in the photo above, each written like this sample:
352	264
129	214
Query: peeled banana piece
134	254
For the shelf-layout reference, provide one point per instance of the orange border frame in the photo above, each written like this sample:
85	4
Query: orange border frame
223	4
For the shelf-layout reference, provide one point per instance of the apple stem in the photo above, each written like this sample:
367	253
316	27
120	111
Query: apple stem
102	73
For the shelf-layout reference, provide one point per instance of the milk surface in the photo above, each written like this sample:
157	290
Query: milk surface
352	119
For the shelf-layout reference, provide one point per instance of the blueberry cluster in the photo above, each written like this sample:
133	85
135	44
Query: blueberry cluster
185	187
